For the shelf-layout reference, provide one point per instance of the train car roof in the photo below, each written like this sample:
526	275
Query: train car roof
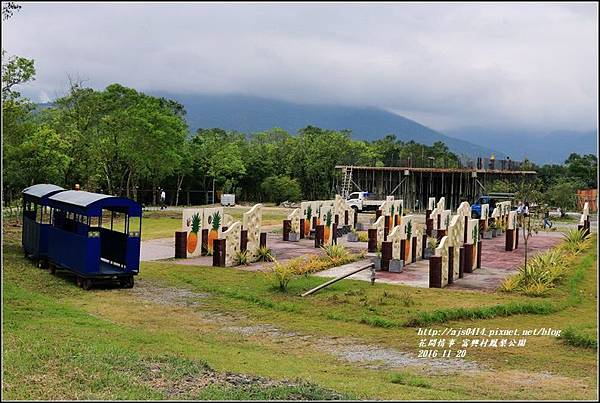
42	189
92	203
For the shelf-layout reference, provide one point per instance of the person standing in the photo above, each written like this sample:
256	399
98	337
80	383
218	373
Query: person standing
163	197
547	222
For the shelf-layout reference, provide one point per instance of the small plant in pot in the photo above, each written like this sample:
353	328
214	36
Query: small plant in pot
396	265
294	236
487	234
432	243
492	228
353	236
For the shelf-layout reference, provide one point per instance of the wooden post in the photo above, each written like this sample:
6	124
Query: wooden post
465	230
244	240
287	227
372	247
509	240
461	262
319	235
377	214
346	218
336	219
468	266
516	238
424	244
180	244
414	249
386	229
428	223
435	272
219	246
386	255
302	228
479	254
204	249
314	223
334	233
355	217
450	264
403	250
262	242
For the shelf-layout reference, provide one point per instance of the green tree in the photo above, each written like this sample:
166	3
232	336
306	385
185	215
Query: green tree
281	188
563	194
584	168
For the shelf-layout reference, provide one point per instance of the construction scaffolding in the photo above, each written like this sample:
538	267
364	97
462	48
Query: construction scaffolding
416	185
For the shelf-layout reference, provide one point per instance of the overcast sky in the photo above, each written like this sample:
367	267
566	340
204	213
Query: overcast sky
529	66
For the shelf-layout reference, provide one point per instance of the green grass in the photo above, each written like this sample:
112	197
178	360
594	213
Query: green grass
580	338
61	342
405	378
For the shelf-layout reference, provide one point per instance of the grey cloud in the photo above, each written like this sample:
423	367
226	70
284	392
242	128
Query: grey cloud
446	65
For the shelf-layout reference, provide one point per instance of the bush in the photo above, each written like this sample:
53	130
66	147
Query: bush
264	254
241	258
283	273
281	188
543	272
575	241
363	236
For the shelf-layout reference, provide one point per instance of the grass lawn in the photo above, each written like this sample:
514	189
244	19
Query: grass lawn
163	224
218	333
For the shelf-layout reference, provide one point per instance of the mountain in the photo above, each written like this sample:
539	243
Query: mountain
252	114
541	147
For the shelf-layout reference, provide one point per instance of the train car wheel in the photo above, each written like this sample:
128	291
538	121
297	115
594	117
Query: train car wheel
127	282
87	284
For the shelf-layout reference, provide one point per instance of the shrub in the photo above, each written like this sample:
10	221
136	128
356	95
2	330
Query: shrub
432	242
283	273
575	241
264	254
363	236
241	258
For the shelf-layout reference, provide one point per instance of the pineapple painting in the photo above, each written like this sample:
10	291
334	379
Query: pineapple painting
327	229
307	220
408	230
391	217
214	221
192	240
475	242
319	215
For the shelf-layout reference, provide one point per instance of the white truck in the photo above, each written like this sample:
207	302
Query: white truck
362	202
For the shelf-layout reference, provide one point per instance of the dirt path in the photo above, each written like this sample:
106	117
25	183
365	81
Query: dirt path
345	349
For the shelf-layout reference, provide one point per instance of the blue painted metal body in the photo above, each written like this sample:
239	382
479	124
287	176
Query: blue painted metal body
80	240
36	219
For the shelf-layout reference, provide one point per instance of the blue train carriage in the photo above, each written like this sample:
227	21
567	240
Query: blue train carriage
36	221
95	236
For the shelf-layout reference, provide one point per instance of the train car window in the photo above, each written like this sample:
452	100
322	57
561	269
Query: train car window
106	219
39	217
94	222
119	221
135	227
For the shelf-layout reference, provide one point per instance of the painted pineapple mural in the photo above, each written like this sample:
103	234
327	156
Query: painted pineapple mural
192	240
407	248
214	221
307	221
327	229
